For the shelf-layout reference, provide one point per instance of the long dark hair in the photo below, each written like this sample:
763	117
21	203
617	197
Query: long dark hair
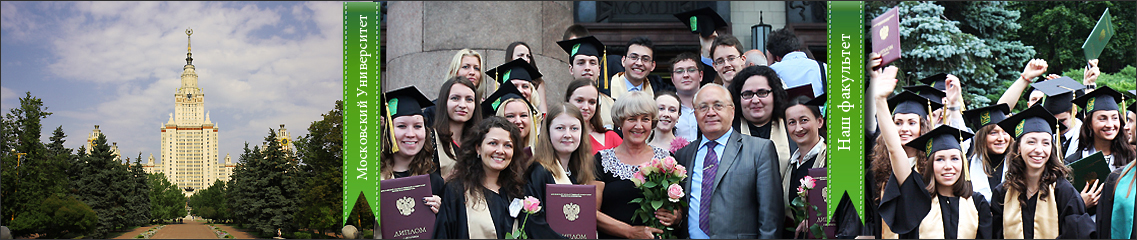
1119	146
580	161
470	172
882	165
509	57
925	165
442	115
772	79
979	144
595	123
1053	169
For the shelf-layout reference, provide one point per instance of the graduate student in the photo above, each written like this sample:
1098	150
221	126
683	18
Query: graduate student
1036	201
508	103
1101	129
1115	211
460	112
989	147
407	150
561	157
520	74
521	50
475	202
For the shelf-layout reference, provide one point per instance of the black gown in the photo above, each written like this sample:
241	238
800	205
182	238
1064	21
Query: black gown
1105	208
436	182
452	221
536	226
618	190
1073	221
904	207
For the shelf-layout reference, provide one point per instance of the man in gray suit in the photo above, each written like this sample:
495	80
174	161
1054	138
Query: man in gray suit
734	189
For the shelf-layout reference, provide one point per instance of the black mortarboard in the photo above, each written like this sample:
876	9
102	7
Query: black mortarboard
516	69
942	138
588	46
406	101
703	21
817	101
499	97
803	90
1033	119
938	81
1059	93
929	92
909	102
1104	98
981	117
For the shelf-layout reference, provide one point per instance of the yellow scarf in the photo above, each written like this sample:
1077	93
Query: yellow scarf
932	227
445	163
479	222
563	179
1045	216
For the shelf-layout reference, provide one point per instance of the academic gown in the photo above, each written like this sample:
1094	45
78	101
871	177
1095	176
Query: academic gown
440	153
1073	220
1105	208
904	208
536	226
451	222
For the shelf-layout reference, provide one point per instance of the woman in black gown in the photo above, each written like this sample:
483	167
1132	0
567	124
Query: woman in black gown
561	157
458	112
409	153
475	203
1036	200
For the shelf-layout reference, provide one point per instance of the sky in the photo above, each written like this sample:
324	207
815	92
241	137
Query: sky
118	65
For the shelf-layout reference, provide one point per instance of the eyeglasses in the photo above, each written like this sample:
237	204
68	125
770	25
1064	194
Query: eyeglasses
637	57
721	61
690	70
762	93
718	106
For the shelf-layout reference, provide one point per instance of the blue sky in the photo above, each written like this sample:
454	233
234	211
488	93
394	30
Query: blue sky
118	64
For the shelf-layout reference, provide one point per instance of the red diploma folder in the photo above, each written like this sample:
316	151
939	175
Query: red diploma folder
885	34
403	213
571	210
817	198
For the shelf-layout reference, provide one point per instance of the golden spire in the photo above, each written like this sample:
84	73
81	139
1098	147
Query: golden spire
189	55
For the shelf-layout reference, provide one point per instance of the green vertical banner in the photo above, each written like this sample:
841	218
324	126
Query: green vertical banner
361	88
845	97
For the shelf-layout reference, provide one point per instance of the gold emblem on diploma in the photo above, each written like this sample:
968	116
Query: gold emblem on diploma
406	206
572	211
883	32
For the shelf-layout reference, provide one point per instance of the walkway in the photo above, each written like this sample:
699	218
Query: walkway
190	229
135	232
238	234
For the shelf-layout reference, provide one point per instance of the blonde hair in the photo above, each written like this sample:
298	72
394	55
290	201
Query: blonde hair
634	104
484	87
534	121
581	161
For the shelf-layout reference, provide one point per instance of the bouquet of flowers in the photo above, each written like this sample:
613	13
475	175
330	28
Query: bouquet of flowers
529	206
659	180
799	207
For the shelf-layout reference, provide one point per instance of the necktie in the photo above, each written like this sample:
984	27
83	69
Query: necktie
710	167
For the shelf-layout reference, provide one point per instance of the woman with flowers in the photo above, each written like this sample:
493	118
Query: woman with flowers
804	123
636	114
560	158
475	202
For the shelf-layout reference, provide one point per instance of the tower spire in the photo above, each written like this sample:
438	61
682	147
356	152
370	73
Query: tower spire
189	54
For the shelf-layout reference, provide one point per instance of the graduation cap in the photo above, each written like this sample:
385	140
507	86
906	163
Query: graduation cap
938	81
1104	98
817	101
1059	93
406	101
498	99
516	69
703	21
929	92
909	102
803	90
943	137
981	117
1034	119
588	46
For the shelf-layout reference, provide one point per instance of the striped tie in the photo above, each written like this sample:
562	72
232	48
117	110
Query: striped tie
710	166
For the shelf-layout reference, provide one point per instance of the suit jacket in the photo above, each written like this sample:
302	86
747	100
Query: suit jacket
747	198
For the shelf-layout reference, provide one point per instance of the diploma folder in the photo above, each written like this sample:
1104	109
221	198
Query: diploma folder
1089	168
1099	36
403	213
571	210
885	34
817	197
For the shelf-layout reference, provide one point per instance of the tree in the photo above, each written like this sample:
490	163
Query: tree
1058	29
267	187
166	199
211	203
103	184
138	201
57	216
31	174
321	151
972	40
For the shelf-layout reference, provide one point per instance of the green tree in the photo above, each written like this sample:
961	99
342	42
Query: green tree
29	171
321	151
267	186
138	201
57	216
1058	29
103	184
211	203
166	200
972	40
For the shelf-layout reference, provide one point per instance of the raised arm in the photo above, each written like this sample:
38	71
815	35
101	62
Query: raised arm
871	67
882	85
1033	69
953	103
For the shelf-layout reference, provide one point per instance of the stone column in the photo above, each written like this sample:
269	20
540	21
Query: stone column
422	37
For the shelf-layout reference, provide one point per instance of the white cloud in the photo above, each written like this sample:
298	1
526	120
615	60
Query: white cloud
259	66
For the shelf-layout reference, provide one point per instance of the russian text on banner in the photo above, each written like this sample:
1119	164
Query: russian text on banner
845	54
361	88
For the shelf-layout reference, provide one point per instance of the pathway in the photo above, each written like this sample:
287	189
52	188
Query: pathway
238	234
190	229
135	232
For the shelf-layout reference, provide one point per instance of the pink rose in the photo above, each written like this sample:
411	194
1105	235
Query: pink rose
674	192
638	178
669	164
800	191
680	171
531	204
808	182
648	168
